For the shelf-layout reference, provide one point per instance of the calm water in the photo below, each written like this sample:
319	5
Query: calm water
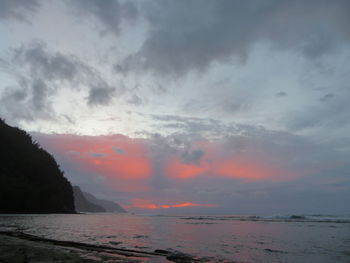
234	238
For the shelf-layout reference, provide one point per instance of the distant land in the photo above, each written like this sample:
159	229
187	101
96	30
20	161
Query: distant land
82	204
30	179
109	206
86	202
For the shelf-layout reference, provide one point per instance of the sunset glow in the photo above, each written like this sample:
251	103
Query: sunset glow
147	204
123	158
151	181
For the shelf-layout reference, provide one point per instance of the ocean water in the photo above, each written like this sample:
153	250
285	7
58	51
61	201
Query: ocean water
230	238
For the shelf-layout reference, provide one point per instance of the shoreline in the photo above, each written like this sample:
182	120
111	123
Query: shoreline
20	247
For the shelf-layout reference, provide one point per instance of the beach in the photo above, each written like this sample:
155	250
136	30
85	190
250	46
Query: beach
14	249
148	238
17	247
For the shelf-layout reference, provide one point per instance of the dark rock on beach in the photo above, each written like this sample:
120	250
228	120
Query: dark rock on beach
180	257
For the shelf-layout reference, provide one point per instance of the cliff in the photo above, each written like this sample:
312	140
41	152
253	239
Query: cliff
109	206
82	204
30	179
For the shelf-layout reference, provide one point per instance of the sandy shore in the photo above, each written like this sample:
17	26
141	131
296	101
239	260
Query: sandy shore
19	249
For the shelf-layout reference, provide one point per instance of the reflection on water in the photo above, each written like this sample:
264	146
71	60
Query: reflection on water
244	239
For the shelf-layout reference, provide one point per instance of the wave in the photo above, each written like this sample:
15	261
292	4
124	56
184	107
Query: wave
316	218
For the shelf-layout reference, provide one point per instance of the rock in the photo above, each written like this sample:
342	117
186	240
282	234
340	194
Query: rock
162	251
180	257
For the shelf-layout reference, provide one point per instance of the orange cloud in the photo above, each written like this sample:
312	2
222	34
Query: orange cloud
122	161
176	168
128	165
246	169
147	204
238	166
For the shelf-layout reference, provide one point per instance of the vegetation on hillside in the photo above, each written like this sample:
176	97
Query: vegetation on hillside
30	179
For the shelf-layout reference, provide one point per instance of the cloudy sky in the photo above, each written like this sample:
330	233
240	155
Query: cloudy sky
193	106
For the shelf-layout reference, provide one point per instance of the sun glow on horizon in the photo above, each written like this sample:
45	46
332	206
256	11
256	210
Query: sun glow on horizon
148	204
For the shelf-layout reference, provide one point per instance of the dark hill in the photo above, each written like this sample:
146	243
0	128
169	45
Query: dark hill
109	206
30	179
82	204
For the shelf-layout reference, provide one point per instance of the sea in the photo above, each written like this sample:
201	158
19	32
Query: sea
211	238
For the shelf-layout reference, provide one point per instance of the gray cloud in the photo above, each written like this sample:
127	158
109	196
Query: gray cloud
251	140
135	100
190	35
68	119
11	101
333	112
50	66
195	127
17	9
192	156
110	13
40	73
327	97
100	95
283	150
233	107
281	94
118	150
40	93
97	155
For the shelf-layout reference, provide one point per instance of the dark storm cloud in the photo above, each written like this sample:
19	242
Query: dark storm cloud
17	9
187	35
111	13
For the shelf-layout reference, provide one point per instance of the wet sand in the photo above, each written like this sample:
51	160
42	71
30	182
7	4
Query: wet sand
21	248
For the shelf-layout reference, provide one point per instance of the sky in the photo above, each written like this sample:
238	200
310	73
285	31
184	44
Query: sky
192	106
